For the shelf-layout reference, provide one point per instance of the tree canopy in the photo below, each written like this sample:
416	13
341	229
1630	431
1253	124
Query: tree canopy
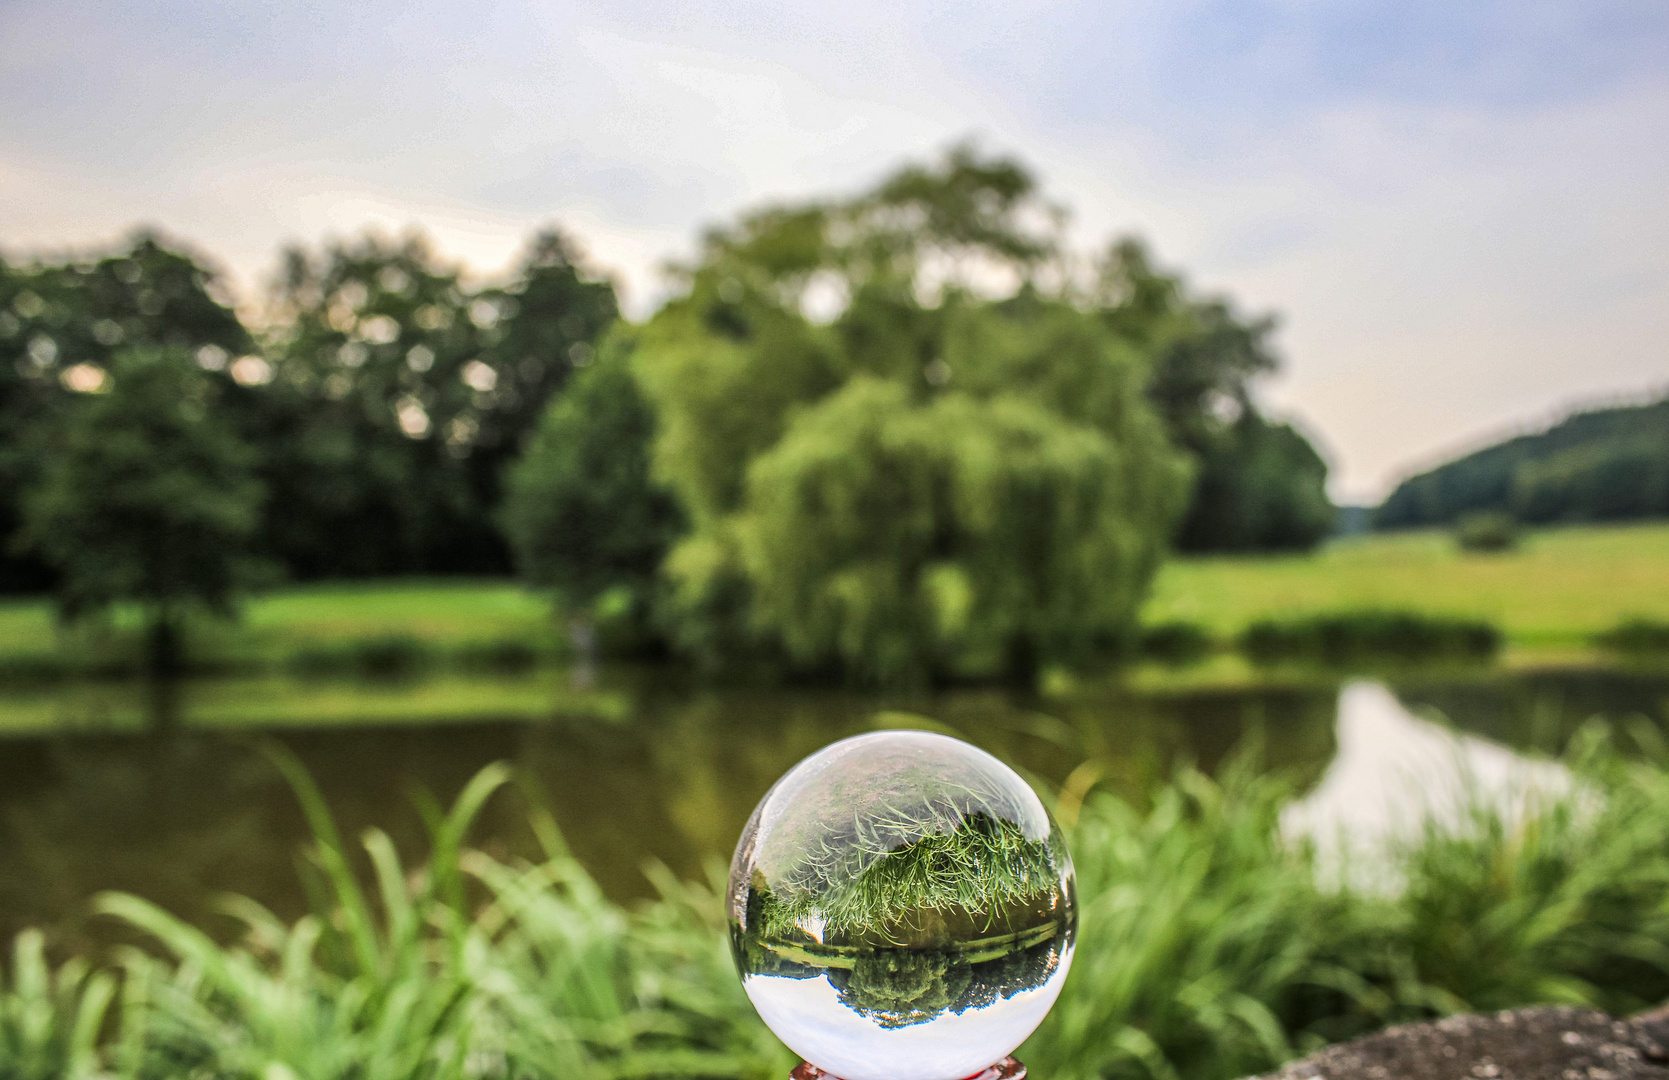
581	510
1259	485
397	395
906	434
887	471
147	494
61	323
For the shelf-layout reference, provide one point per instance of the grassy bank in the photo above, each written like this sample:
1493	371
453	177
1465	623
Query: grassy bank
1207	950
1556	591
315	629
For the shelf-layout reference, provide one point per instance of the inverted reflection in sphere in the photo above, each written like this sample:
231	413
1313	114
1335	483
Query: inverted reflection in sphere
901	908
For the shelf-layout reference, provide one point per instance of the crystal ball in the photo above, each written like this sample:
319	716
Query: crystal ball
901	908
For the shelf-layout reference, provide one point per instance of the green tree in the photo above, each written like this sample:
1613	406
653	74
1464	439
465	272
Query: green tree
60	325
1259	485
919	480
582	513
398	394
554	314
149	497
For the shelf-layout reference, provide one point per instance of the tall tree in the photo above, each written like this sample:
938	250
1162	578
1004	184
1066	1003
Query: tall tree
398	394
1259	485
581	510
60	325
148	496
887	472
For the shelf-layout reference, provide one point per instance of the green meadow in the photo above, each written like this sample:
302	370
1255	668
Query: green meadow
1555	591
443	614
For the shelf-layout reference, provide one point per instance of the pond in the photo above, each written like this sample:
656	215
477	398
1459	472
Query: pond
170	796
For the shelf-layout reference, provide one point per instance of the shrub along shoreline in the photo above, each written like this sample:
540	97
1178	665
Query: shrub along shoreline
1208	949
1363	640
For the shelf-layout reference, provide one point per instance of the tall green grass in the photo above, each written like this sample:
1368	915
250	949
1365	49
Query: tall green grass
1209	948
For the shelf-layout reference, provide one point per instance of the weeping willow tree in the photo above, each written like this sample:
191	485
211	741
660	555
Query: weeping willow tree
905	448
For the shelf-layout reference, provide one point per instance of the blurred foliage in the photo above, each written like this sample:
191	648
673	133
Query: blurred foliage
385	396
1486	531
887	474
1603	465
1636	637
1259	485
899	435
1174	642
146	494
398	395
1363	636
581	511
61	324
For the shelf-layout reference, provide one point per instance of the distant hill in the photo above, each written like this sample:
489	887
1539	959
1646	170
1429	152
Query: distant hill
1604	465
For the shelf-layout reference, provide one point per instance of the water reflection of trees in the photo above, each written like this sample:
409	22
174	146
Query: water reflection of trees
707	756
900	987
1539	710
180	815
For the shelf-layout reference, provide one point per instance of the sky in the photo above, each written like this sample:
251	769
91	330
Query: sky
1459	211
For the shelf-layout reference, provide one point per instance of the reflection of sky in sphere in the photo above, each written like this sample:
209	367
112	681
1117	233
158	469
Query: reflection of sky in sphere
947	1048
901	908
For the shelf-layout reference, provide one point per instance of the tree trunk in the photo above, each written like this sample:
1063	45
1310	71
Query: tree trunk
162	648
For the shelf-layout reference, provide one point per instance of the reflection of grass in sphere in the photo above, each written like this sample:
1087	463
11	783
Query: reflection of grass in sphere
953	852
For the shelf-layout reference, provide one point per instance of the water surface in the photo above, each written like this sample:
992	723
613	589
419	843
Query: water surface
170	797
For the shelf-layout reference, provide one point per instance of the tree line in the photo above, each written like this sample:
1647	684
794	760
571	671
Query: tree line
895	434
1600	465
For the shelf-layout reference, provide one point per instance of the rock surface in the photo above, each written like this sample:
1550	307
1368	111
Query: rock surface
1544	1043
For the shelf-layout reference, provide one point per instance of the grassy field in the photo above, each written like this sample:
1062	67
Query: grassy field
1557	590
443	614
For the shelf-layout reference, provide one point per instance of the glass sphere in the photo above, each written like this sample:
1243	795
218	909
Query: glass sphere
902	908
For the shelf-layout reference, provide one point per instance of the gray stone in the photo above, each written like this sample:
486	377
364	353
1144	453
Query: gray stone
1543	1043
